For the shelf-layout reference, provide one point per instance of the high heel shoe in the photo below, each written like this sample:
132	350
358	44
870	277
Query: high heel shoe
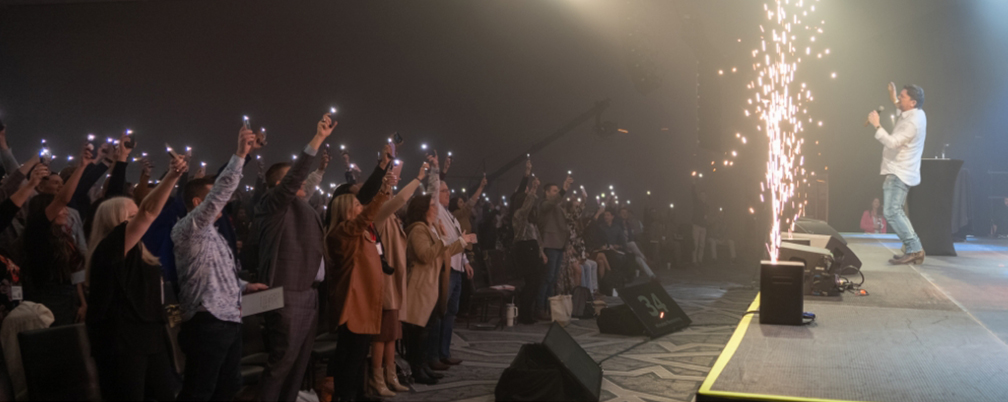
376	383
392	380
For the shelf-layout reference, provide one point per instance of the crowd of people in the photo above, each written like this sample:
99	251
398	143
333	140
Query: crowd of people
388	261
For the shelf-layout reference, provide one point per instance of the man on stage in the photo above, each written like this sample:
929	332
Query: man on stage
901	160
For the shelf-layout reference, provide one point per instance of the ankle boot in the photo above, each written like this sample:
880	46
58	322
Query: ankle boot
420	376
431	373
392	380
377	383
910	258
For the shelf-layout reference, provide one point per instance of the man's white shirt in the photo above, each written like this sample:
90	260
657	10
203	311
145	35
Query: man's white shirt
904	147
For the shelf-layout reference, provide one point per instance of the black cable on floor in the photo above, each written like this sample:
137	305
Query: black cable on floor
623	351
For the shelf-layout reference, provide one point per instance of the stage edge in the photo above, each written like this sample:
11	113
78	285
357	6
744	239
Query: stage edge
706	394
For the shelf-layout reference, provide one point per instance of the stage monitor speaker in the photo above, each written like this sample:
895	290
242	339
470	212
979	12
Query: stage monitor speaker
654	308
815	226
781	300
821	277
557	369
619	320
843	256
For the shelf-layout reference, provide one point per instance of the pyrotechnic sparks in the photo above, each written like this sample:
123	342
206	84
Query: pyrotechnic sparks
779	105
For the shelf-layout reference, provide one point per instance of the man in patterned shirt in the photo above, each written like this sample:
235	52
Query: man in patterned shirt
210	293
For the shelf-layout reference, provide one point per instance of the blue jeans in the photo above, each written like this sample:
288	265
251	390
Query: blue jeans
554	258
895	192
448	322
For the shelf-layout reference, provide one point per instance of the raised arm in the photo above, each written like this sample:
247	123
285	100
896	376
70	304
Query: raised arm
284	193
66	193
358	225
143	185
374	182
479	192
205	214
151	206
433	178
315	177
427	250
12	183
401	198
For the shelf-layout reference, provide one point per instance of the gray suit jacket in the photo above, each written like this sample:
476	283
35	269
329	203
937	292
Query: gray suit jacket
290	233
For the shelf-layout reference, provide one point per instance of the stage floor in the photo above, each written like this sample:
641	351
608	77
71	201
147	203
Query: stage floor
935	332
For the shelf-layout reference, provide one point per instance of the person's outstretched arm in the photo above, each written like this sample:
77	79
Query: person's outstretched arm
284	193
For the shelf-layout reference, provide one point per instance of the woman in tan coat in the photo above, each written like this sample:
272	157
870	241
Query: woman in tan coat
425	262
355	284
384	382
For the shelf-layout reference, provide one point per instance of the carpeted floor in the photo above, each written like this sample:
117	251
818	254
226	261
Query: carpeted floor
669	368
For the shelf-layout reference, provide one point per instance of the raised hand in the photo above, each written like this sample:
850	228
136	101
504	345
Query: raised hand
423	171
122	151
146	167
324	162
873	118
567	183
37	175
388	181
260	140
246	140
178	166
432	160
86	157
528	167
325	126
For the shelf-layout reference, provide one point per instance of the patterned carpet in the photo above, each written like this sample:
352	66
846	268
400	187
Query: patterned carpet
669	368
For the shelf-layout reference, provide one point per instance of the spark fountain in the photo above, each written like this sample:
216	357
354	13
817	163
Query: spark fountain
779	102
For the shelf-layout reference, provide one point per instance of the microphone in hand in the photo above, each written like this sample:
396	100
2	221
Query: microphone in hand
880	110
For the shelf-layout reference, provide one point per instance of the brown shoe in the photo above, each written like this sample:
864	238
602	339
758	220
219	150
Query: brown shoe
451	361
910	258
438	366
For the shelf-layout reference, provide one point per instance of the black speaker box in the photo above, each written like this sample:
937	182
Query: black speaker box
815	226
619	320
557	369
781	300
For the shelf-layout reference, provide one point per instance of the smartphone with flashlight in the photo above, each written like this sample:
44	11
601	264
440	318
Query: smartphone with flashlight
130	140
171	151
45	155
261	137
397	167
245	122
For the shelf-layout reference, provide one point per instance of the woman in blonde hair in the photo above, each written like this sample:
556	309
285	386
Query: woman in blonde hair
355	284
125	319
